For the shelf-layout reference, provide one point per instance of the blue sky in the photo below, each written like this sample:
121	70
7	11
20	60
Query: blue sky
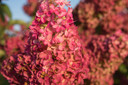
16	7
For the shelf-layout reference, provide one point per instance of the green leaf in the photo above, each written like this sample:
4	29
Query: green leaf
2	31
3	81
2	53
123	69
2	41
5	9
2	15
20	22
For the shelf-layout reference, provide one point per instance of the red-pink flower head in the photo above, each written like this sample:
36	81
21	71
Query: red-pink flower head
55	54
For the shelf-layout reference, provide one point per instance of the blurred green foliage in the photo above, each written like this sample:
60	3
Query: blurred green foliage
4	10
3	81
121	75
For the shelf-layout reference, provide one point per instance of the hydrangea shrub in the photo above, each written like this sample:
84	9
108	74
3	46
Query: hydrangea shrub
54	54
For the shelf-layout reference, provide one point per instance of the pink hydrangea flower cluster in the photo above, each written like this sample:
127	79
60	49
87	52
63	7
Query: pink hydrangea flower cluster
107	53
103	28
17	44
54	54
106	16
31	7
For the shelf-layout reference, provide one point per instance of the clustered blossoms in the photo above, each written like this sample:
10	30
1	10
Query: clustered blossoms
101	23
15	45
107	53
54	54
31	6
101	15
